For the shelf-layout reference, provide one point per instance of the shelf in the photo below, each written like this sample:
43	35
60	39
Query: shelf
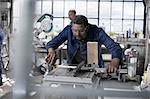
131	41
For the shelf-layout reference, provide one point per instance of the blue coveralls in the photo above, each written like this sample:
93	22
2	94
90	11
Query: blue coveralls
94	34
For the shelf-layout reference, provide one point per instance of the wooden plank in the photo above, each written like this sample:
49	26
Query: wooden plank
92	53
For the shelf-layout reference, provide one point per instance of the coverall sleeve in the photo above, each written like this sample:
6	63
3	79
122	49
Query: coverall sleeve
112	46
58	40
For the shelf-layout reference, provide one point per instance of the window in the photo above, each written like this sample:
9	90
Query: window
81	7
127	24
93	21
112	15
92	9
66	22
138	26
116	25
129	0
105	9
69	4
58	11
105	0
139	11
128	10
58	23
117	10
47	7
105	24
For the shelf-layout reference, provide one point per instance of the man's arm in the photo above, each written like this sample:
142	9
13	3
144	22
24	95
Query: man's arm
113	47
51	57
58	40
54	44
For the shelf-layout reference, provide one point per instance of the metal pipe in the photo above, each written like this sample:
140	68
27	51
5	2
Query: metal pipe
23	49
147	37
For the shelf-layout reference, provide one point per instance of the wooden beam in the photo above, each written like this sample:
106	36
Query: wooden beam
92	53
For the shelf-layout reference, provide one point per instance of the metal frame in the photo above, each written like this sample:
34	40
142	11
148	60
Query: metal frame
98	17
147	36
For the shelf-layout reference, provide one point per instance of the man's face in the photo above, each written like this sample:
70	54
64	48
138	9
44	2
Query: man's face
71	15
79	31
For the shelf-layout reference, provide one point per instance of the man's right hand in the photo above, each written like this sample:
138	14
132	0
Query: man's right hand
51	57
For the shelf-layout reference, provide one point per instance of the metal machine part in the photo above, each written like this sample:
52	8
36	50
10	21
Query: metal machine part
81	75
43	26
82	67
128	70
45	23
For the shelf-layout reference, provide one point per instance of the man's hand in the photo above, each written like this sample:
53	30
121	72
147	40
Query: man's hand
111	68
51	57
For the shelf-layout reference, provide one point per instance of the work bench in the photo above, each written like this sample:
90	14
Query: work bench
63	78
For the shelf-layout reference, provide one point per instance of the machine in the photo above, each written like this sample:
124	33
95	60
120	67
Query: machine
42	33
43	27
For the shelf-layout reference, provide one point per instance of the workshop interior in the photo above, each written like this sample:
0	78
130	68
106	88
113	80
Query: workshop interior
29	28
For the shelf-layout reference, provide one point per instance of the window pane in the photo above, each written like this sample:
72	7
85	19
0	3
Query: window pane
81	7
93	21
105	24
69	4
105	0
138	26
90	12
104	9
139	10
38	7
58	11
116	25
127	24
118	0
117	9
128	10
58	23
67	22
47	7
129	0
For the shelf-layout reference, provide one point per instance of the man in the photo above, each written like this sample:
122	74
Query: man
1	39
77	36
71	15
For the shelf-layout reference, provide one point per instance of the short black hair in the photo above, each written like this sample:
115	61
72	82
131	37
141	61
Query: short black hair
74	11
80	19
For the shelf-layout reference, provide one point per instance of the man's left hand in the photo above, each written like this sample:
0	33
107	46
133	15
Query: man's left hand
112	66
